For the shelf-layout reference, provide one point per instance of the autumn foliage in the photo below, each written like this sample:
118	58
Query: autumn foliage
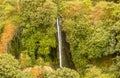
7	36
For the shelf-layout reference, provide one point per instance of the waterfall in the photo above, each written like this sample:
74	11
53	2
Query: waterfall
59	43
63	48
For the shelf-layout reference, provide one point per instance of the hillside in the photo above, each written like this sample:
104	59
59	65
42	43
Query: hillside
59	38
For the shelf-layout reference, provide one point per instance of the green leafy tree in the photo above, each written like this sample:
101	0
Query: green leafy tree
95	72
38	33
9	67
91	30
114	69
62	73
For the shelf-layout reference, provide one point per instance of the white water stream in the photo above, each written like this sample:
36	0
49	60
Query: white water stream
59	43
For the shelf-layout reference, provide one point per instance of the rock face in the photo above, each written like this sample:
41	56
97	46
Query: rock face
67	57
38	70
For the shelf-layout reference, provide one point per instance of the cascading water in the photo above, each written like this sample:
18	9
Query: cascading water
59	42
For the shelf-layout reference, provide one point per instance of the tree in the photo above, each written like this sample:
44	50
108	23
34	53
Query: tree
38	33
9	67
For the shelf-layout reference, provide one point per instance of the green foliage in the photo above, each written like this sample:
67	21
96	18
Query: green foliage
27	75
95	72
9	67
108	0
38	33
40	61
25	61
62	73
9	11
92	31
78	29
1	30
115	68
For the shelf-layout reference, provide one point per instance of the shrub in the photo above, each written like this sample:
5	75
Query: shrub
115	68
94	72
9	67
62	73
25	60
27	75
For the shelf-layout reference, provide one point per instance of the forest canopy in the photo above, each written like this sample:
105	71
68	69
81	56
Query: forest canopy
90	31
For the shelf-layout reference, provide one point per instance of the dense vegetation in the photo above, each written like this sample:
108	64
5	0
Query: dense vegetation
90	30
93	33
62	73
